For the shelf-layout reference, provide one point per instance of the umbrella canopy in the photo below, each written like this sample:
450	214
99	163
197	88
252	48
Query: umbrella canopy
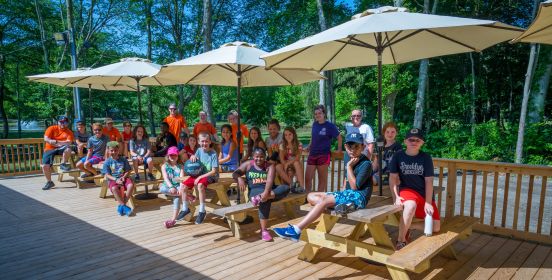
540	30
233	64
225	65
389	35
65	79
399	35
131	71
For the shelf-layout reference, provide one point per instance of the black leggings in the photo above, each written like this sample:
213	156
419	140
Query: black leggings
264	208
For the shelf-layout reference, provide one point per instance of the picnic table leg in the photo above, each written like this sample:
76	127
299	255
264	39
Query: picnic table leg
327	222
234	224
397	273
449	252
359	231
380	235
103	190
222	197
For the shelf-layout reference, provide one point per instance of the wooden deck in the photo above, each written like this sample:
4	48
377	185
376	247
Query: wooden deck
71	233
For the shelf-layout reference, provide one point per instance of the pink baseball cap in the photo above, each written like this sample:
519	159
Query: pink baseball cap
172	151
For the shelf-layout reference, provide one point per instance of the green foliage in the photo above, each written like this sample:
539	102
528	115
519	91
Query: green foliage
290	108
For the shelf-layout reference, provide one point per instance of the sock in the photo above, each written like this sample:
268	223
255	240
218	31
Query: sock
297	230
185	205
202	207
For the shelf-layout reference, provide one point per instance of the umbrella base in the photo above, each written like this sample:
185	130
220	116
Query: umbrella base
145	196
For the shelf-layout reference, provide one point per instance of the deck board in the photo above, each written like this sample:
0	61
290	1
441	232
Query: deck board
70	233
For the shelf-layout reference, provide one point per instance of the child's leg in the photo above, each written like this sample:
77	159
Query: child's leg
176	207
88	168
322	177
80	165
149	162
315	198
309	175
299	173
282	174
409	207
135	163
115	189
327	200
201	190
130	189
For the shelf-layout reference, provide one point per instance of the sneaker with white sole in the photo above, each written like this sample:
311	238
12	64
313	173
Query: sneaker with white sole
48	185
288	233
200	218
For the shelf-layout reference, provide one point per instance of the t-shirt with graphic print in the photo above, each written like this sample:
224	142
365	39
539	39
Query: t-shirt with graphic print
208	159
139	147
256	177
98	145
322	136
412	170
116	167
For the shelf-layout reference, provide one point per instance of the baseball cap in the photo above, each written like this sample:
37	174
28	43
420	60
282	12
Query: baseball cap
112	144
415	132
108	120
354	138
79	121
172	151
63	119
183	135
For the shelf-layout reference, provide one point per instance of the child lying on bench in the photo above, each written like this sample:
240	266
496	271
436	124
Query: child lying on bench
358	189
260	178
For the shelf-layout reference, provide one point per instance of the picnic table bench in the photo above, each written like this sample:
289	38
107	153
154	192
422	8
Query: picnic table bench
236	214
379	247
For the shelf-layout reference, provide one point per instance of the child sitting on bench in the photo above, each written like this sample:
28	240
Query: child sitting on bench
358	189
411	179
208	158
260	179
172	169
117	171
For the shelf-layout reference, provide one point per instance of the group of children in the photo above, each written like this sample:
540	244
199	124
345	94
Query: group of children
266	162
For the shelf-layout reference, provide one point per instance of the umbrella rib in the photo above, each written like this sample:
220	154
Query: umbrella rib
450	39
248	68
117	82
157	80
282	76
335	54
392	38
227	67
391	42
199	73
538	30
284	59
390	48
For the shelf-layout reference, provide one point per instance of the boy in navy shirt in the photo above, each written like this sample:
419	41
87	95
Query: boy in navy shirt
411	179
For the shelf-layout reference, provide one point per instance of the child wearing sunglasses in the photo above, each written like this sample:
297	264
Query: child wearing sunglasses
411	179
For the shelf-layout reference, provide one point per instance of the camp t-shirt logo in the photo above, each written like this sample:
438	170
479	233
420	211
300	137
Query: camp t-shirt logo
412	169
322	131
257	177
117	168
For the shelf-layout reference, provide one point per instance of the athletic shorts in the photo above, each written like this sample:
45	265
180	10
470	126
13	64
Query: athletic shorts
205	181
319	160
48	156
410	194
92	159
145	160
113	186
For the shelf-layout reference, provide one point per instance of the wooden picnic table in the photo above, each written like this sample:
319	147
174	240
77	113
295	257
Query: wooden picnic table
379	247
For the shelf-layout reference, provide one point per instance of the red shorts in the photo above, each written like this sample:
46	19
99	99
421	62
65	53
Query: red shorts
190	182
410	194
114	186
319	160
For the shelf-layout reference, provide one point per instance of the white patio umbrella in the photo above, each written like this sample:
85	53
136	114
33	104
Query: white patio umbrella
129	72
233	64
389	35
65	78
540	31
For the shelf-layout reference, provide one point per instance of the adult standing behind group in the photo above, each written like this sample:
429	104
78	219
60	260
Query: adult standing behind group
204	126
356	126
58	139
322	134
176	122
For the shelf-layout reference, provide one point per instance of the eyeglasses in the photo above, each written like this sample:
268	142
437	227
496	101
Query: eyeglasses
96	130
128	125
414	140
172	108
356	116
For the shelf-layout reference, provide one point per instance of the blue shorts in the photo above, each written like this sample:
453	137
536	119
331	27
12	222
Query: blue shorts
350	196
92	159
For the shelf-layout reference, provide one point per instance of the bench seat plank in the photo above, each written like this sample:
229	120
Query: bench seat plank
249	206
416	255
371	215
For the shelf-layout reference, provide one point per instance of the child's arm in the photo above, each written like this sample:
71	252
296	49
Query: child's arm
229	156
269	182
428	207
165	176
132	148
350	173
339	143
394	182
238	175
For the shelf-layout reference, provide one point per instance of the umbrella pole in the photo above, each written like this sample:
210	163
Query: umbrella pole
139	101
239	134
379	50
90	104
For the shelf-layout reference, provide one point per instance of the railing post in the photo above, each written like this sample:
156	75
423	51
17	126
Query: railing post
451	190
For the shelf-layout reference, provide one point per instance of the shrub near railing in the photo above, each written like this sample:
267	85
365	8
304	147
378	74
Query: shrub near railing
510	199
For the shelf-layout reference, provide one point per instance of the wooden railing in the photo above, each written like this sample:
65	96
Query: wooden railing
510	199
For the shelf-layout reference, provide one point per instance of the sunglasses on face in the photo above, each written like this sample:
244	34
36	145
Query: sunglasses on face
414	140
172	108
356	116
96	130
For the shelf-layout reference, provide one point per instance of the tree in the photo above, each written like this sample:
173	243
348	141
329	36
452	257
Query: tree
207	46
538	96
289	107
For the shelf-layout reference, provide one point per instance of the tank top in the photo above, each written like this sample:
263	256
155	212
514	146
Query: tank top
172	172
226	150
256	178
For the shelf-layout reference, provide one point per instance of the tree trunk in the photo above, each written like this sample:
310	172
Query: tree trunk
538	96
2	95
40	21
149	19
391	97
423	78
526	91
473	95
397	3
207	45
322	83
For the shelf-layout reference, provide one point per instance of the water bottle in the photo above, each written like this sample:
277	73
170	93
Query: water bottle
428	228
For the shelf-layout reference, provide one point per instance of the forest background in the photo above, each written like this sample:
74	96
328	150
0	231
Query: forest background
468	104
